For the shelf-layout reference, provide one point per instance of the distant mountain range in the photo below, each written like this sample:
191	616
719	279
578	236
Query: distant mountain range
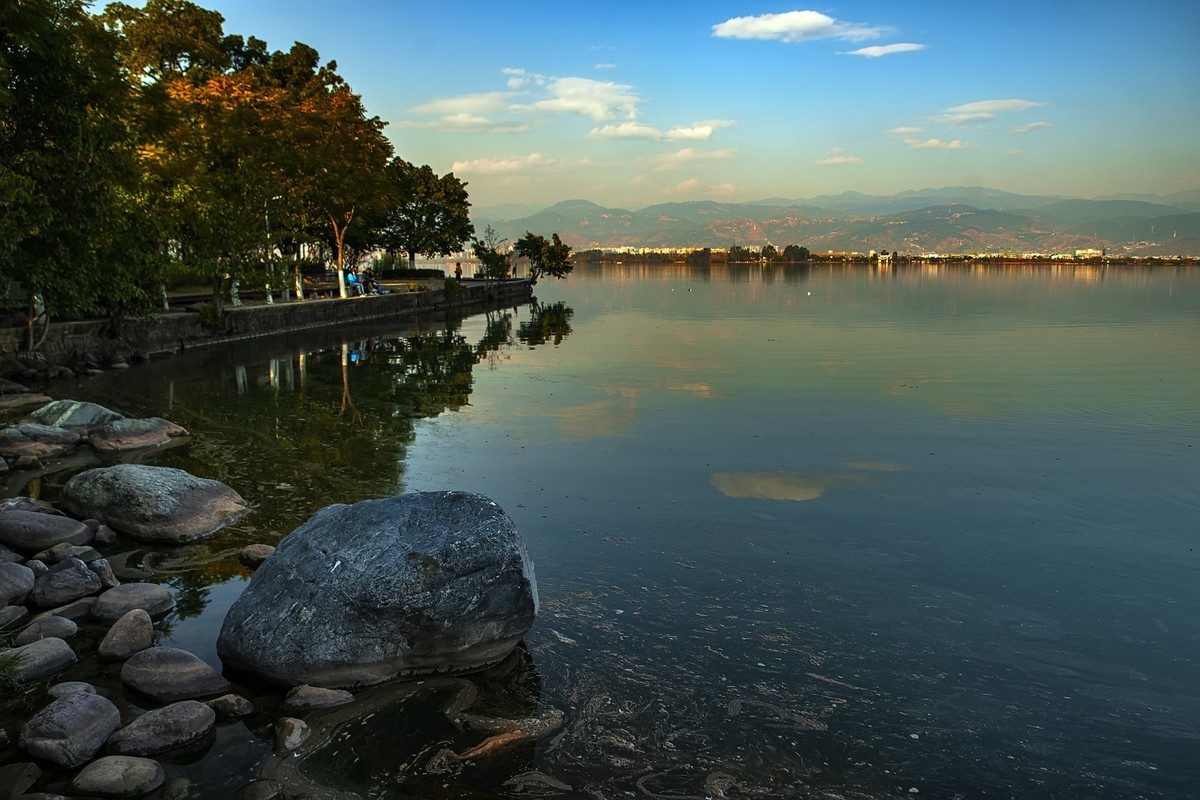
962	219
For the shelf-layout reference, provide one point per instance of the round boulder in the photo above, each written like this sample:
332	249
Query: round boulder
119	776
164	729
153	504
69	731
16	581
132	633
120	600
41	658
364	594
168	674
33	531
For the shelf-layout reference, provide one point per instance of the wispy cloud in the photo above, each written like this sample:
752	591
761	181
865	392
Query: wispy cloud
599	100
875	51
905	130
697	131
687	156
982	111
936	144
479	103
1032	126
684	187
795	26
495	166
838	160
604	66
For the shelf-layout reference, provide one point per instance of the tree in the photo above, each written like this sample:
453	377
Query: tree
794	254
487	250
428	215
545	257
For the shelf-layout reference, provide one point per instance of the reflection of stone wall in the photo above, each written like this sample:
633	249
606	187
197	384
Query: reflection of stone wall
169	333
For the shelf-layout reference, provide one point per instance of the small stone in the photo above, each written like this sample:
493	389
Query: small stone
253	555
119	776
16	581
66	581
105	535
41	658
162	729
116	602
307	698
104	571
58	552
68	687
38	566
44	628
290	733
168	674
71	730
231	706
132	633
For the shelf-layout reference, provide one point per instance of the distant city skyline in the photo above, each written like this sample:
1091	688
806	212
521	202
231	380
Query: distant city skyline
630	104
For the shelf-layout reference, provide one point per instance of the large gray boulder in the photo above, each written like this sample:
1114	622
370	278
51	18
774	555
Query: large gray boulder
119	776
120	600
72	729
383	589
33	531
153	504
164	729
66	581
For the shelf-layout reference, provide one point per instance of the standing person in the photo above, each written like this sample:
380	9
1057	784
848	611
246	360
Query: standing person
458	271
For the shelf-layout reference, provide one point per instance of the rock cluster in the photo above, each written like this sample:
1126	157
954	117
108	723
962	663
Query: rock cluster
359	595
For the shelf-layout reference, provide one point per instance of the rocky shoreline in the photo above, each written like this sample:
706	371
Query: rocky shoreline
94	700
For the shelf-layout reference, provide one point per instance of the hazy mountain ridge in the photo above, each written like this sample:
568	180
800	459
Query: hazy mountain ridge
947	220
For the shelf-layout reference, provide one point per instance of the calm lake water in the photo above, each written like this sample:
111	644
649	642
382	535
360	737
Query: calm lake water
929	532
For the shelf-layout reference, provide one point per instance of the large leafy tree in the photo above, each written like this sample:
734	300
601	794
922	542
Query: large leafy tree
551	257
427	215
66	160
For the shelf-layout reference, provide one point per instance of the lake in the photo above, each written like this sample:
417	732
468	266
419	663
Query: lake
827	532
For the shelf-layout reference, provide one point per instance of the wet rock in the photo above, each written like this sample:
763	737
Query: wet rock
307	698
119	776
134	434
261	790
68	687
71	730
168	674
104	571
176	788
16	581
16	778
29	504
163	729
34	440
66	581
290	733
38	566
153	504
132	633
59	627
41	658
11	616
119	601
32	532
253	555
9	557
362	594
76	611
58	552
231	706
74	414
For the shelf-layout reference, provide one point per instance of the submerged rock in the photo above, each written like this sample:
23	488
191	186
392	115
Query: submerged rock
74	414
364	594
31	439
153	504
134	434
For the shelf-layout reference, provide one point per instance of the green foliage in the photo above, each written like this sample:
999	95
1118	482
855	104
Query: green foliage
452	287
426	215
211	317
494	263
545	257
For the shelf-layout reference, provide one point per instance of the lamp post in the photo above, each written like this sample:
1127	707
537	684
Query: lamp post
270	249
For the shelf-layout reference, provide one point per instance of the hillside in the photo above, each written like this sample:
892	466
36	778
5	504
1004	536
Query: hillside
947	220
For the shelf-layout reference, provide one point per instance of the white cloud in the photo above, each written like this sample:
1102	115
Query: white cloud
794	26
479	103
605	66
1032	126
838	160
936	144
875	51
722	189
683	187
1016	152
983	111
493	166
697	131
599	100
905	130
688	155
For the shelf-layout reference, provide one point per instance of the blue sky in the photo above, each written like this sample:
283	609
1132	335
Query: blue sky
633	103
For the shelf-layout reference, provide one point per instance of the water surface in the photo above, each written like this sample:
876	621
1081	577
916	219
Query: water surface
828	532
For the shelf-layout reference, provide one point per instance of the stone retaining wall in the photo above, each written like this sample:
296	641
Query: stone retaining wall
176	331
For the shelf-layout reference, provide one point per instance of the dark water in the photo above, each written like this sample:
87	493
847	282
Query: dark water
827	533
